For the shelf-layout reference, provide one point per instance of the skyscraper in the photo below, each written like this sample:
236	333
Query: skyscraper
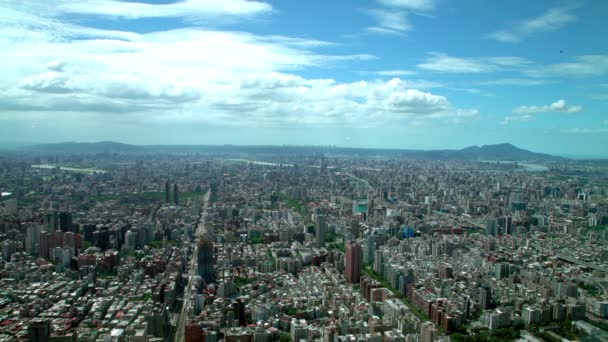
65	221
485	297
39	331
167	191
175	195
491	226
320	230
509	225
353	262
205	260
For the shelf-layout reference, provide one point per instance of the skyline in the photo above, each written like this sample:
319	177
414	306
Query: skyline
407	74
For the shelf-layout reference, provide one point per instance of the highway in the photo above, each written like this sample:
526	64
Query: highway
572	259
192	269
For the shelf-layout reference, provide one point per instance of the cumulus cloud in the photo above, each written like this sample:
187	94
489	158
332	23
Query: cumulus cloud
196	75
558	106
552	20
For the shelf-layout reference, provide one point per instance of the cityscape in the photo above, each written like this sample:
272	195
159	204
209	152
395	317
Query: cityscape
303	171
293	243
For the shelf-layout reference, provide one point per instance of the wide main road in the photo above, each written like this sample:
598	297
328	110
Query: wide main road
192	268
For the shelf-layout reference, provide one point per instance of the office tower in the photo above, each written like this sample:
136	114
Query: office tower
88	230
354	229
44	245
51	221
517	201
167	192
485	297
9	247
320	230
508	225
32	239
65	221
39	331
491	226
501	270
369	248
101	239
205	260
353	262
175	195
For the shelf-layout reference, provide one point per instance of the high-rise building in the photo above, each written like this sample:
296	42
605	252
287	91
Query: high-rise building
51	220
175	195
205	260
167	191
485	297
491	226
44	245
65	221
320	230
39	331
32	239
428	332
508	225
353	262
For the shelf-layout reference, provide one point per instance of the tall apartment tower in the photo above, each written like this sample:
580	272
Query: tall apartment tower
352	262
205	260
320	230
175	194
39	331
167	192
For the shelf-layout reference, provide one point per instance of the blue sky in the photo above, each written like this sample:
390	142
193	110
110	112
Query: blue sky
419	74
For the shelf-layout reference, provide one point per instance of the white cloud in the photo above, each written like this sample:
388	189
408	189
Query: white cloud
557	106
395	20
185	8
400	72
503	36
392	17
583	66
389	21
514	82
441	62
519	118
384	30
552	20
415	5
52	69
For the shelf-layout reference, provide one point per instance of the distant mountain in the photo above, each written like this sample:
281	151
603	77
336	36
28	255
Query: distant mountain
506	152
501	152
78	147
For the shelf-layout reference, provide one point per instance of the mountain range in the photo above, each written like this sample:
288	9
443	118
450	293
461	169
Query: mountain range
506	151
